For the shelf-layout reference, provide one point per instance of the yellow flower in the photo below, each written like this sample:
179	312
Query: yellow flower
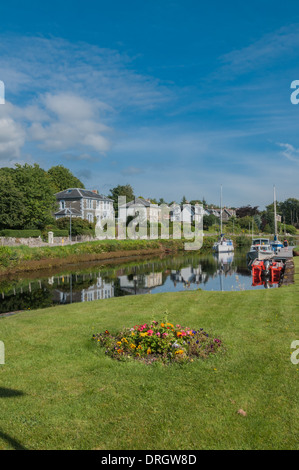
124	340
118	343
143	334
139	347
132	346
149	351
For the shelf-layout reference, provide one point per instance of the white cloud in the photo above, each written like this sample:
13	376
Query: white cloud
72	122
282	42
12	138
290	152
56	65
68	95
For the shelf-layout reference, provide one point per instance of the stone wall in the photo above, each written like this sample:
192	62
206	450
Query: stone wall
35	242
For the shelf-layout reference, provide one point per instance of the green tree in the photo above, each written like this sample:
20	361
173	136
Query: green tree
208	221
120	190
63	178
184	200
37	195
195	201
11	202
245	211
289	209
162	201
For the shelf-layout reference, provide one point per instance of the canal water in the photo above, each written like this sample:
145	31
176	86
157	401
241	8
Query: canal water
98	280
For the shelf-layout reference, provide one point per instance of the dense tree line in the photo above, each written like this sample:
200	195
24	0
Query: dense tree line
27	195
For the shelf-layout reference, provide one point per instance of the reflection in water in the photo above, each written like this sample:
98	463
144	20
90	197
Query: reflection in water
226	271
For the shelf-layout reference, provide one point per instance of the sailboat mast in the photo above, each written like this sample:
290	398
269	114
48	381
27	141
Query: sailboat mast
275	220
221	210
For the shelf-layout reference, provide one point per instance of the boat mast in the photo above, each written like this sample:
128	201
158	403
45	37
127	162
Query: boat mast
221	211
275	221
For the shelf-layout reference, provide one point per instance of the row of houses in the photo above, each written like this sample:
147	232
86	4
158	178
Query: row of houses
92	206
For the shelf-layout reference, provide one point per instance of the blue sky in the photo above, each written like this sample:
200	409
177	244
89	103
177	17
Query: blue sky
173	97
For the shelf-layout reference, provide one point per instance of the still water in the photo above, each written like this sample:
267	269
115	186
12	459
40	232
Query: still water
94	281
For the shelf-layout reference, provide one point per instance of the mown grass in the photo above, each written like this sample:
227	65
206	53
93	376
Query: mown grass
58	391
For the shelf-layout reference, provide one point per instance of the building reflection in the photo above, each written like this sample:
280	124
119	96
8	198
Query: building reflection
187	276
96	283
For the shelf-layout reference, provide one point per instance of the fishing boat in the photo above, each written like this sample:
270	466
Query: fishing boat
224	244
260	249
267	272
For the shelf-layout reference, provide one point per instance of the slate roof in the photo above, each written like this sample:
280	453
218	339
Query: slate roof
139	202
67	212
78	193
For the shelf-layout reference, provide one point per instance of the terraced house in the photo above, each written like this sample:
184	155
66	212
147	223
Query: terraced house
89	205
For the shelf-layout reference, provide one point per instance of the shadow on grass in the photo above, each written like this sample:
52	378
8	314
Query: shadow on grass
10	393
15	444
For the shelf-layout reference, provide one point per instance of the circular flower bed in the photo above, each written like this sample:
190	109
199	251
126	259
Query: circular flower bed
158	341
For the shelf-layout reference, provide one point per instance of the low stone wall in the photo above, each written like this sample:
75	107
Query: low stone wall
289	271
36	242
8	241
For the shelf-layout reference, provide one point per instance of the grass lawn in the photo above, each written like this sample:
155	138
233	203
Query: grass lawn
58	391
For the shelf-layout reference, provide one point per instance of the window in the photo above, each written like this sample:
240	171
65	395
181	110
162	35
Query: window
62	204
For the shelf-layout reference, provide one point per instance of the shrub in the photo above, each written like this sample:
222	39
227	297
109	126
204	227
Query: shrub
79	226
60	233
242	241
20	233
158	342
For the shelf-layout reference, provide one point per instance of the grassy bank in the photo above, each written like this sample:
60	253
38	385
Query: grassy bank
24	258
58	391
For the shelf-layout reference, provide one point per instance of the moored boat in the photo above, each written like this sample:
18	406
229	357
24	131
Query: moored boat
223	245
260	249
281	250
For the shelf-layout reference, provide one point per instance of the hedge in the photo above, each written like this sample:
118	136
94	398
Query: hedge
60	233
20	233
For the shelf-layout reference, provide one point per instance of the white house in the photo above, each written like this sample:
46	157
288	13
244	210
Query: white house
151	211
185	213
